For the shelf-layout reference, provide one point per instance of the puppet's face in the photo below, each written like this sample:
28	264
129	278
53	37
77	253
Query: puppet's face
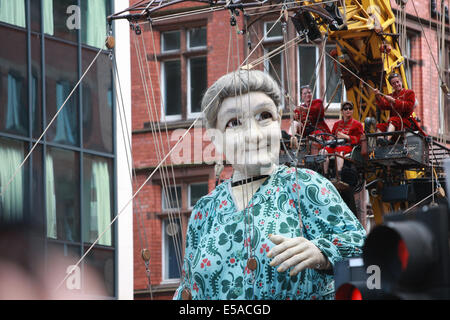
250	125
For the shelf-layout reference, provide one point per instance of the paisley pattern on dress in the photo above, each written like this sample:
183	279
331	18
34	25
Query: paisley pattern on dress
220	238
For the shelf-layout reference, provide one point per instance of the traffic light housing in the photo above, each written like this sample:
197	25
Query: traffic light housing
411	250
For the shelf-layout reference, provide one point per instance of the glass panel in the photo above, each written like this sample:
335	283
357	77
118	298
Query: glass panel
99	274
198	82
12	200
66	19
275	66
197	37
97	197
35	8
333	72
172	85
307	59
196	192
61	77
276	32
13	82
62	259
63	199
13	12
170	41
97	103
172	246
36	86
171	199
94	24
37	193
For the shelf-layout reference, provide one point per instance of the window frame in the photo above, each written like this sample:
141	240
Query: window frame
321	79
184	55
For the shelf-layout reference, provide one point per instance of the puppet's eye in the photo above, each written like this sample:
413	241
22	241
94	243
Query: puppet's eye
264	116
233	123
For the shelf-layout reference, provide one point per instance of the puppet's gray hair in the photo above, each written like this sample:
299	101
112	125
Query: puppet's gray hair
234	84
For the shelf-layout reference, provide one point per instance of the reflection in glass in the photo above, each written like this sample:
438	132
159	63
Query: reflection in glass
97	103
97	200
36	86
274	66
49	25
61	76
333	72
172	87
66	19
93	31
15	107
62	181
171	198
13	82
196	191
170	41
172	248
13	12
100	265
307	72
65	122
12	199
197	37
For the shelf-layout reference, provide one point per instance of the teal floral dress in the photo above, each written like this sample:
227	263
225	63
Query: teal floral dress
220	239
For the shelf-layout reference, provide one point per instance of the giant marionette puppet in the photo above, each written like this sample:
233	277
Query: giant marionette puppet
269	232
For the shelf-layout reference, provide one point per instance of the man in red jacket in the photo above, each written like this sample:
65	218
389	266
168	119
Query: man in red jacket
401	103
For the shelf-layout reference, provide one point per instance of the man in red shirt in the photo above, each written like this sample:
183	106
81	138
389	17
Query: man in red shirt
401	103
348	129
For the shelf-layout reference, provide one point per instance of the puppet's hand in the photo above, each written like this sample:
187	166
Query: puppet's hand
298	253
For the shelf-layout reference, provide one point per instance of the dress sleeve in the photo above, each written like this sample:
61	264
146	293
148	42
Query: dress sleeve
327	220
383	103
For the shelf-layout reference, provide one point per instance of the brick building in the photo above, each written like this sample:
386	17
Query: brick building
178	59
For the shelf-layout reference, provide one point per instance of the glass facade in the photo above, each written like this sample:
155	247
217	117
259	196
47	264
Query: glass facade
67	184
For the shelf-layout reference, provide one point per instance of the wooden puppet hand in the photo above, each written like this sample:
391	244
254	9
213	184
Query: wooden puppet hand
296	253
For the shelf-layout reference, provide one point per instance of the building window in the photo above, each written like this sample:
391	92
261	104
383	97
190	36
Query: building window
171	198
183	73
196	191
12	199
272	32
172	235
68	183
197	81
13	12
172	249
323	77
410	62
